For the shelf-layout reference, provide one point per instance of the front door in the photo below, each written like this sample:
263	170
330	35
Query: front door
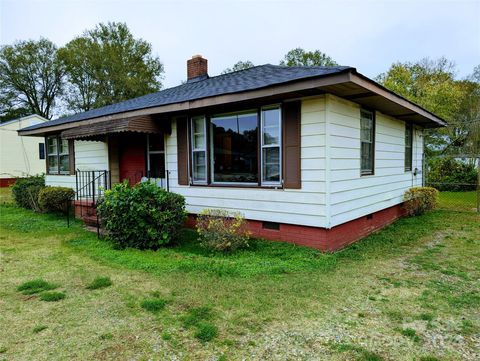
141	156
132	157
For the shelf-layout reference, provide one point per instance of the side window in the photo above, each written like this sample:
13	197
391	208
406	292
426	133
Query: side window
52	155
408	147
199	150
271	146
367	142
58	155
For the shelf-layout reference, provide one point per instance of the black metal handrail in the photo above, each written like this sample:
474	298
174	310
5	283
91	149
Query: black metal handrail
91	184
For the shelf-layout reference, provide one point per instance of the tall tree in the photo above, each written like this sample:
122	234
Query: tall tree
300	57
432	85
239	65
80	57
31	78
107	65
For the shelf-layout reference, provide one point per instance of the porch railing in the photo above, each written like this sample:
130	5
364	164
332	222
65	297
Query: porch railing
161	179
91	184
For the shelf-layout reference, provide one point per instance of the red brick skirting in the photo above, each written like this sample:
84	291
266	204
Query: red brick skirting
6	182
321	238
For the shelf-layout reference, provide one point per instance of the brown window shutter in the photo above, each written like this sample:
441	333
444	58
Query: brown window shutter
71	156
182	150
291	145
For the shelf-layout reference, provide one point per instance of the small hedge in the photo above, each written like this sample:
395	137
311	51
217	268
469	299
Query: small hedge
25	191
418	200
144	216
221	230
55	199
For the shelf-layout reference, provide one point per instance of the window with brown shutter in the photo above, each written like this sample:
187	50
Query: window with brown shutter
291	145
182	150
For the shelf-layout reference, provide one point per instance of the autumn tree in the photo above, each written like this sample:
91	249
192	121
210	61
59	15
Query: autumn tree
31	78
107	65
432	84
300	57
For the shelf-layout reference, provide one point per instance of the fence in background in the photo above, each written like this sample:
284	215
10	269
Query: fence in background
457	177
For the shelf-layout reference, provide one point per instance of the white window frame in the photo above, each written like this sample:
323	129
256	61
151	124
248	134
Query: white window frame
263	146
371	172
198	150
409	127
58	146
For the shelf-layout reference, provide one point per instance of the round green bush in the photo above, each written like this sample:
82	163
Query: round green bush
55	199
144	216
418	200
25	191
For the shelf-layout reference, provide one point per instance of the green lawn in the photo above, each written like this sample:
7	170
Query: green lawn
462	201
407	292
5	195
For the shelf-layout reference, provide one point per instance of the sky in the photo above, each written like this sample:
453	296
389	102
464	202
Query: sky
368	35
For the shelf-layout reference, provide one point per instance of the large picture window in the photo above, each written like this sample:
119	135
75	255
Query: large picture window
58	155
234	144
408	147
241	148
367	141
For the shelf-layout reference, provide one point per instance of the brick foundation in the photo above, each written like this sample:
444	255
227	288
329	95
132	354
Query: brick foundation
6	182
327	240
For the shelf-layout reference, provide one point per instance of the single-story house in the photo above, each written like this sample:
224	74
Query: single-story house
318	156
20	156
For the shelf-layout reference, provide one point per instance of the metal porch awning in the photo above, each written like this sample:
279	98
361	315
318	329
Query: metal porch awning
139	124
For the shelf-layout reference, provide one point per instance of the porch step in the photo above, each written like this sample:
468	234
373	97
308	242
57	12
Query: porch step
90	220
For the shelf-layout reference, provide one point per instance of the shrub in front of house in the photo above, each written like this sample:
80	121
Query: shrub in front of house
450	174
221	230
418	200
25	191
144	216
55	199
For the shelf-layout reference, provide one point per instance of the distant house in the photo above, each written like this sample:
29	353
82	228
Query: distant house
20	156
318	156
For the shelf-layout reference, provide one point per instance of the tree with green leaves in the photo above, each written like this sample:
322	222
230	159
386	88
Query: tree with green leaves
31	78
240	65
300	57
107	65
432	85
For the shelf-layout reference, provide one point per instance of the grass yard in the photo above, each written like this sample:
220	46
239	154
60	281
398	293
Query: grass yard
5	195
462	201
410	292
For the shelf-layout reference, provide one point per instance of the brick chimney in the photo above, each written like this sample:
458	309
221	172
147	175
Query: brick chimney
197	68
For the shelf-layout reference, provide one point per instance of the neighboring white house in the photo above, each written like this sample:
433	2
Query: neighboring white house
318	156
20	156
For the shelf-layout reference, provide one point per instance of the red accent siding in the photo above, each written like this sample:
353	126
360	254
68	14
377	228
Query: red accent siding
6	182
327	240
132	158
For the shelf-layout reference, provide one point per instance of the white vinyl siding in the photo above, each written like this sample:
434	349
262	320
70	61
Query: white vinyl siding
89	155
352	196
305	206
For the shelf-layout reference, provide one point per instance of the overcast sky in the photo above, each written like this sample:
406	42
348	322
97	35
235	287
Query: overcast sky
368	35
